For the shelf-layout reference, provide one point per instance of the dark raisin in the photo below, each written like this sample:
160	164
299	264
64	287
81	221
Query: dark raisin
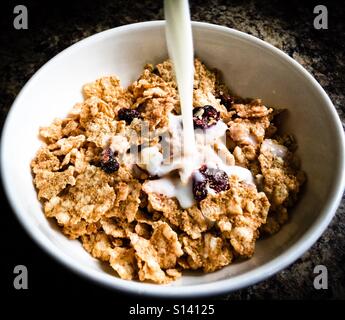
128	115
217	179
205	117
199	189
109	164
226	99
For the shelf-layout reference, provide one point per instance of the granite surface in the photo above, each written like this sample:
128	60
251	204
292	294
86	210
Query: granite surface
287	25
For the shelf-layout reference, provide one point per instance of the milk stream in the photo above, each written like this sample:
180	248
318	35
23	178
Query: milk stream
180	47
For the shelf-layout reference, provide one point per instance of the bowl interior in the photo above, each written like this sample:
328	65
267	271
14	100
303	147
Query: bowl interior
250	68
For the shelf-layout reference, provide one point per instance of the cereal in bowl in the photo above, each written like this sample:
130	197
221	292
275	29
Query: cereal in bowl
110	174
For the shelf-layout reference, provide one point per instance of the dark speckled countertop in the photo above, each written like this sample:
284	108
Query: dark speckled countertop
287	25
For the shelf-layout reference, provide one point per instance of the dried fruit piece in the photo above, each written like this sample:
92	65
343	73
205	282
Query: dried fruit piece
199	189
205	178
205	117
109	163
217	179
226	99
128	115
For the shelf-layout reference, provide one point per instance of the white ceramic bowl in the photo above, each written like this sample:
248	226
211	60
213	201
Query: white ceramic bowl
252	68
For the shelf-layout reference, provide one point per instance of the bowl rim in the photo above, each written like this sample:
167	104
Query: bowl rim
251	277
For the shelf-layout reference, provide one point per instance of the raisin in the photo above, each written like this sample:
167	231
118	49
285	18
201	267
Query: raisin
128	115
215	179
109	164
199	189
226	99
205	117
